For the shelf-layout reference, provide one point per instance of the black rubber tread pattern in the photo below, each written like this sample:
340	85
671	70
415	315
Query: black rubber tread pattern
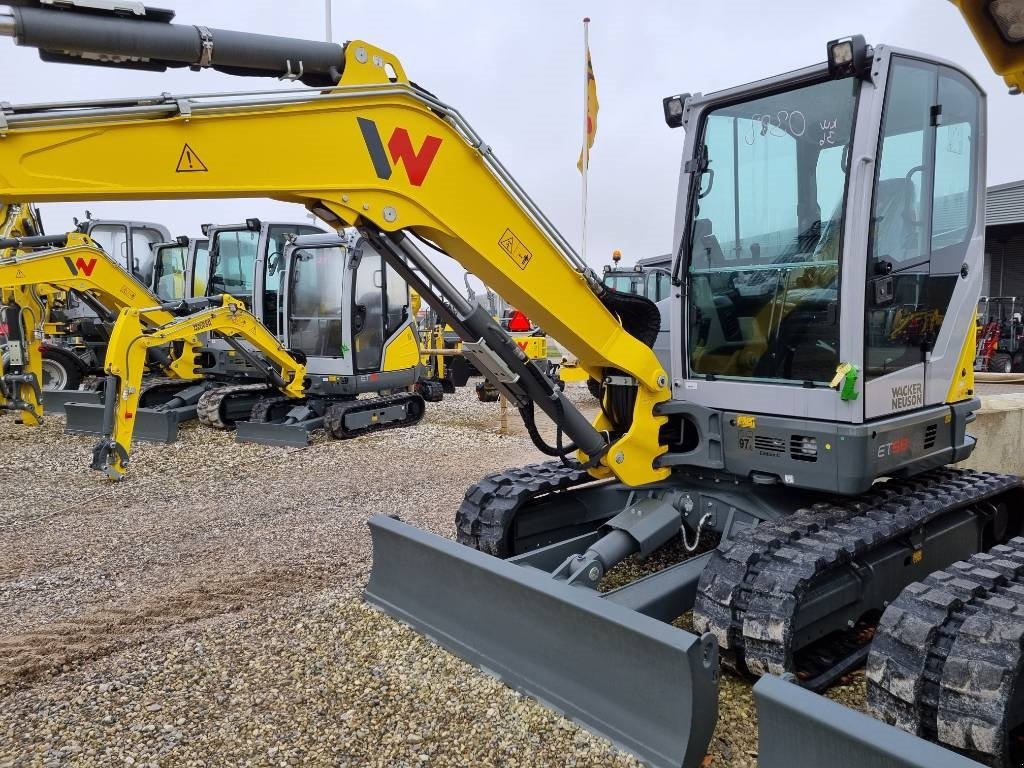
334	417
485	517
261	410
751	590
152	385
947	655
430	390
209	409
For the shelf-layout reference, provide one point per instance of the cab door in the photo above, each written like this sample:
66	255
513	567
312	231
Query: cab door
270	270
368	313
924	215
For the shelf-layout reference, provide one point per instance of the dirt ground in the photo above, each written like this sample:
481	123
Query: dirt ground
206	611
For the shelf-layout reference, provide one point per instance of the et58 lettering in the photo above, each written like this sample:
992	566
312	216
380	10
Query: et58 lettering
894	448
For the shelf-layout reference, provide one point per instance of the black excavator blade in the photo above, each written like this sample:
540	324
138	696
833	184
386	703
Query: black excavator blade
648	687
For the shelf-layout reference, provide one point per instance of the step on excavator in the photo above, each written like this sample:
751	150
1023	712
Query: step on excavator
805	426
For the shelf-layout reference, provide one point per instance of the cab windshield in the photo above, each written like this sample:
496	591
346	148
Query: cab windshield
765	235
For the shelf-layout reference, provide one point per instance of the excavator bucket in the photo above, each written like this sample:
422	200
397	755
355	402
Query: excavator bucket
151	425
648	687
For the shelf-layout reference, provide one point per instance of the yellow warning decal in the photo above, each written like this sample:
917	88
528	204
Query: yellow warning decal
515	249
189	161
746	422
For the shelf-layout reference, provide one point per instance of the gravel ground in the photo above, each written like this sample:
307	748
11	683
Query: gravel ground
206	611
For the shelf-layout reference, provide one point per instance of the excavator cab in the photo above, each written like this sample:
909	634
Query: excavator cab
245	261
347	314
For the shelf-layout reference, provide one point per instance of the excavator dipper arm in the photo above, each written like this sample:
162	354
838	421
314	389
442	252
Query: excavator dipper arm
20	315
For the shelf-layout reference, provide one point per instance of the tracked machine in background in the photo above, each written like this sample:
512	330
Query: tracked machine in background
224	317
46	267
348	315
804	422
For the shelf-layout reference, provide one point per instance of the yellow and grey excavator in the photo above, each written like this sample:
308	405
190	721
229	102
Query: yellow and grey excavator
132	338
67	263
793	426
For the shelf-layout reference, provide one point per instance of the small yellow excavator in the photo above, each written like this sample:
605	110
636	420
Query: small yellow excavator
133	337
70	262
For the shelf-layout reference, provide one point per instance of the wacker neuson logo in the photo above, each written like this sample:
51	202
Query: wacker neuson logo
399	147
907	396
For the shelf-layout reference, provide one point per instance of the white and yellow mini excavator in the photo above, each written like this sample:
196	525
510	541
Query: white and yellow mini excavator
826	269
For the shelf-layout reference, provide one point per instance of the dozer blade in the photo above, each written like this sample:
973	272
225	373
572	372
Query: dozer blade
285	435
55	400
151	425
800	729
648	687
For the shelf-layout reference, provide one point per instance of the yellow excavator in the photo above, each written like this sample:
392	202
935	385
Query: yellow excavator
793	428
30	280
133	337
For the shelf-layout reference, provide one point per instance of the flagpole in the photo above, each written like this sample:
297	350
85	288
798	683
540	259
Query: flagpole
586	131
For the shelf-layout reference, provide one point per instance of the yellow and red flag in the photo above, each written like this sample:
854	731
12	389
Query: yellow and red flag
592	105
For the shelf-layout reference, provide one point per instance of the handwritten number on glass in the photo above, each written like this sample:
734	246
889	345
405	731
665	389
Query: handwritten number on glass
828	133
782	123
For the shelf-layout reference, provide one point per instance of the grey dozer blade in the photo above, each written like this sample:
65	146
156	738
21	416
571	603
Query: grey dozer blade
648	687
800	729
152	425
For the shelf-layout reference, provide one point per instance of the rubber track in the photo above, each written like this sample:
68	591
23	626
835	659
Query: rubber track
750	593
208	409
260	413
151	385
947	654
334	418
489	507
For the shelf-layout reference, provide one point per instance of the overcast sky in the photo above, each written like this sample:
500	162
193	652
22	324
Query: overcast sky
515	71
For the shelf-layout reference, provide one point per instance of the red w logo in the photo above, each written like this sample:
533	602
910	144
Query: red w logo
417	162
81	264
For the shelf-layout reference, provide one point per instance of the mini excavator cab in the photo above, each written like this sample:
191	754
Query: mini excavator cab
830	256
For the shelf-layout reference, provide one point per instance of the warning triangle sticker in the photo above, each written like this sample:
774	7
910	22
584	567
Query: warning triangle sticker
506	245
189	161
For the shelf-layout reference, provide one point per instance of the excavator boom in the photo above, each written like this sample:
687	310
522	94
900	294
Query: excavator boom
375	152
